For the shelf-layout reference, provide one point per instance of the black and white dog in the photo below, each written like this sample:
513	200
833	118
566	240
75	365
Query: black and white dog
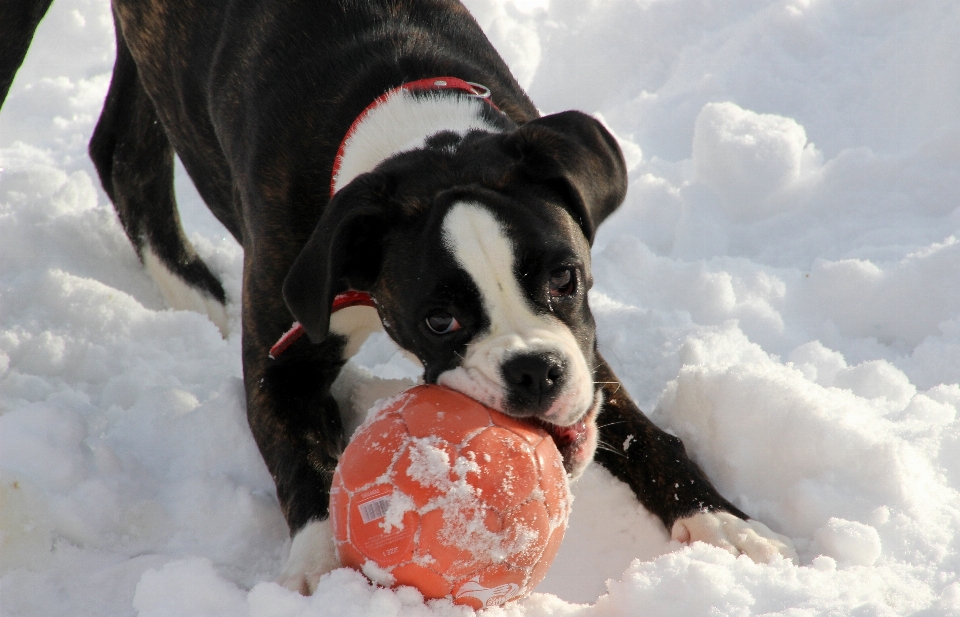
464	215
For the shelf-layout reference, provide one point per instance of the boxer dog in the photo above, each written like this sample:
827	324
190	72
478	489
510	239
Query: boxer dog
380	166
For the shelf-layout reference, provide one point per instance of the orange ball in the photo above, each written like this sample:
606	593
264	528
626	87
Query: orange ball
438	492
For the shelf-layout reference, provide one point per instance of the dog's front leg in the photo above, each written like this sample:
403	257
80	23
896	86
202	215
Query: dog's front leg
297	426
669	484
295	419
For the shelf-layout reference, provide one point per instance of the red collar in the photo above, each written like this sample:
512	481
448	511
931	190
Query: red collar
362	298
342	301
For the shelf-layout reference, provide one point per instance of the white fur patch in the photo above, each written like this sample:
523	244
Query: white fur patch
403	122
479	244
180	296
356	323
312	554
740	537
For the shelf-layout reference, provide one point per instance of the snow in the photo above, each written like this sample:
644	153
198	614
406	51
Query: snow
779	289
430	464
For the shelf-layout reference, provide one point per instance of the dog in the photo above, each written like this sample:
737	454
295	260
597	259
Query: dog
381	168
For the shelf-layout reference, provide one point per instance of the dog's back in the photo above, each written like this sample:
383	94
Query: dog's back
253	97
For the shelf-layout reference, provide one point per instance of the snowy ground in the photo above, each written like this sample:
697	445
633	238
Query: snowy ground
781	289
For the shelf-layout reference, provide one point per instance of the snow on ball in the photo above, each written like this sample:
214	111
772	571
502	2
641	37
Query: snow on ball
438	492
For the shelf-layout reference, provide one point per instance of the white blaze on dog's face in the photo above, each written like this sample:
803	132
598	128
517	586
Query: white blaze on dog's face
526	362
490	293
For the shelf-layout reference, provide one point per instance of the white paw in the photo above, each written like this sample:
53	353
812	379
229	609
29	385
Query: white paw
311	556
740	537
180	296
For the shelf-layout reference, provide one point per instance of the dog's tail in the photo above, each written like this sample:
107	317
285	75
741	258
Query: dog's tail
18	22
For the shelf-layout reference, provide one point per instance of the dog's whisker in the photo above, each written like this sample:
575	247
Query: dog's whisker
606	383
608	448
600	426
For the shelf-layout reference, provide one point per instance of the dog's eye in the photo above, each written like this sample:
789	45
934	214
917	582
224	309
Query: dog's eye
442	322
562	282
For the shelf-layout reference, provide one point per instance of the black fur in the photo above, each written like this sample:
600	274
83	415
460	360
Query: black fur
18	20
255	96
134	160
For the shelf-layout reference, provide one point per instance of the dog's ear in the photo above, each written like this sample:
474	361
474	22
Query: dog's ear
344	252
575	155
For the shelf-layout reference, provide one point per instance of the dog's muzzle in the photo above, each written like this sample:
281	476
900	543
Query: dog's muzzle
533	382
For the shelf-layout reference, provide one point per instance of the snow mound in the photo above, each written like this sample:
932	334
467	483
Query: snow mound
748	159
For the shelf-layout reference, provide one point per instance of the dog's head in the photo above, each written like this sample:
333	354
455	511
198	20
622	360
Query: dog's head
477	250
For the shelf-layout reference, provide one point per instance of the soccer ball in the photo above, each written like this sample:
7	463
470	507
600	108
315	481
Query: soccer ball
438	492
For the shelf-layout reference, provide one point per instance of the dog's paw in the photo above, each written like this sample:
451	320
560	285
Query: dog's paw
312	555
740	537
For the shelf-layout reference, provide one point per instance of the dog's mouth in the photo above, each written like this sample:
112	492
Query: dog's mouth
575	442
567	438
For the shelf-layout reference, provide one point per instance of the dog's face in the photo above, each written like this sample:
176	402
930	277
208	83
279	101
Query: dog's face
492	298
477	250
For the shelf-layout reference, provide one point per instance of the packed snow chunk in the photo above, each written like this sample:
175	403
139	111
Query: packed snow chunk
934	361
378	575
270	599
347	593
793	454
904	302
849	542
706	580
30	176
700	580
818	363
928	411
748	158
877	379
188	587
724	345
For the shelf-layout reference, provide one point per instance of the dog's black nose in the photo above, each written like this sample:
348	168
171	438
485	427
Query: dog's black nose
533	381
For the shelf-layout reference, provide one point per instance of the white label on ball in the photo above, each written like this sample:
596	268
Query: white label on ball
375	509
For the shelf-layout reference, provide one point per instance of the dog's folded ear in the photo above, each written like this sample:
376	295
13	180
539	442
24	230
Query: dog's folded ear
344	252
575	155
